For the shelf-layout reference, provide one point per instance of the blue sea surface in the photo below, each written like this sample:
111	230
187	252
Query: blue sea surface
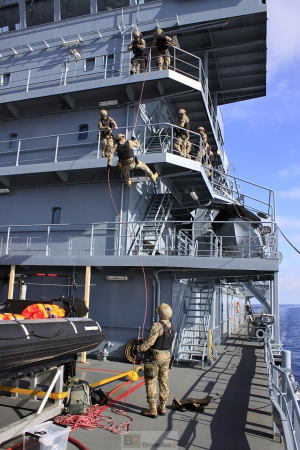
289	334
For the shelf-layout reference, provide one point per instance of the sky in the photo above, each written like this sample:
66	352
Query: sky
262	136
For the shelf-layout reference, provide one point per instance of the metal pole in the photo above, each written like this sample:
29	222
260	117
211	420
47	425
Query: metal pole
174	58
56	148
48	241
18	153
28	79
276	309
87	289
98	147
205	67
66	71
92	238
49	390
7	241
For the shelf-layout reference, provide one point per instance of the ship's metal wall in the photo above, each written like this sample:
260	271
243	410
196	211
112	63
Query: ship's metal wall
79	203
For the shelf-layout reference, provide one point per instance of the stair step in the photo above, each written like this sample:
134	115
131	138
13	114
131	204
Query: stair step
191	353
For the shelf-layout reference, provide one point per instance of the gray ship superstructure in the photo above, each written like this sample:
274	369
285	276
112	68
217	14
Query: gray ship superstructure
63	61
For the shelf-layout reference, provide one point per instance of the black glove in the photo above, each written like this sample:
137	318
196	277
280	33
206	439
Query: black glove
108	166
135	350
133	138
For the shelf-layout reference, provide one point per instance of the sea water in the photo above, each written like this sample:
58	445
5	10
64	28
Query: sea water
289	334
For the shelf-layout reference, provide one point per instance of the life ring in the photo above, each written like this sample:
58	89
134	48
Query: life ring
260	333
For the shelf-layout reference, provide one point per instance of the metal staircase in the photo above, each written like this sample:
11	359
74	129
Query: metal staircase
192	338
155	222
159	141
148	237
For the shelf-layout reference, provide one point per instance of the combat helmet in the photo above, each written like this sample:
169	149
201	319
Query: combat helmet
120	136
158	32
201	129
136	34
182	111
164	311
103	112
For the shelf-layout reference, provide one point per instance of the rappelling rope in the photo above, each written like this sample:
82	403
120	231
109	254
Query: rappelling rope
288	241
142	90
123	428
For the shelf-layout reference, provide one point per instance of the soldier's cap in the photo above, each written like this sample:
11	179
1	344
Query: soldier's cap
103	112
201	129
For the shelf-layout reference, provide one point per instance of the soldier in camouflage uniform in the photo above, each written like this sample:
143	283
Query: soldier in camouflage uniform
127	160
105	125
138	48
158	346
182	144
162	43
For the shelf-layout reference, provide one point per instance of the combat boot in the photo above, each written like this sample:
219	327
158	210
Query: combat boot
154	177
161	409
151	412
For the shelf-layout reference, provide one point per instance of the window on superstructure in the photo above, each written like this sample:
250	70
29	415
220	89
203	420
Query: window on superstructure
13	137
74	8
5	79
39	12
83	132
141	2
9	18
55	215
107	5
89	64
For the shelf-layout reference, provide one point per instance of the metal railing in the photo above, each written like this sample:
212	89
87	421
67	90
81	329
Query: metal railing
283	398
153	138
106	66
106	238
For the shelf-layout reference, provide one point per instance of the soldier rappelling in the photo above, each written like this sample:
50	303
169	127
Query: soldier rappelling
127	160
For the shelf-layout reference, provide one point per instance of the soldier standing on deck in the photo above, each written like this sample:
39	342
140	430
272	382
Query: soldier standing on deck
182	144
158	347
105	125
138	48
162	43
127	160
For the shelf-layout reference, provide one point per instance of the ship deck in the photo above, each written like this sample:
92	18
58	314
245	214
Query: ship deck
238	417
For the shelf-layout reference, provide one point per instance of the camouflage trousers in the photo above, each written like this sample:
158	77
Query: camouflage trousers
136	62
163	60
182	146
162	359
134	165
107	144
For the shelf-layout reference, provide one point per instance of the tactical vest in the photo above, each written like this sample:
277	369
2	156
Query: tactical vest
161	43
124	151
106	122
136	50
164	342
187	125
